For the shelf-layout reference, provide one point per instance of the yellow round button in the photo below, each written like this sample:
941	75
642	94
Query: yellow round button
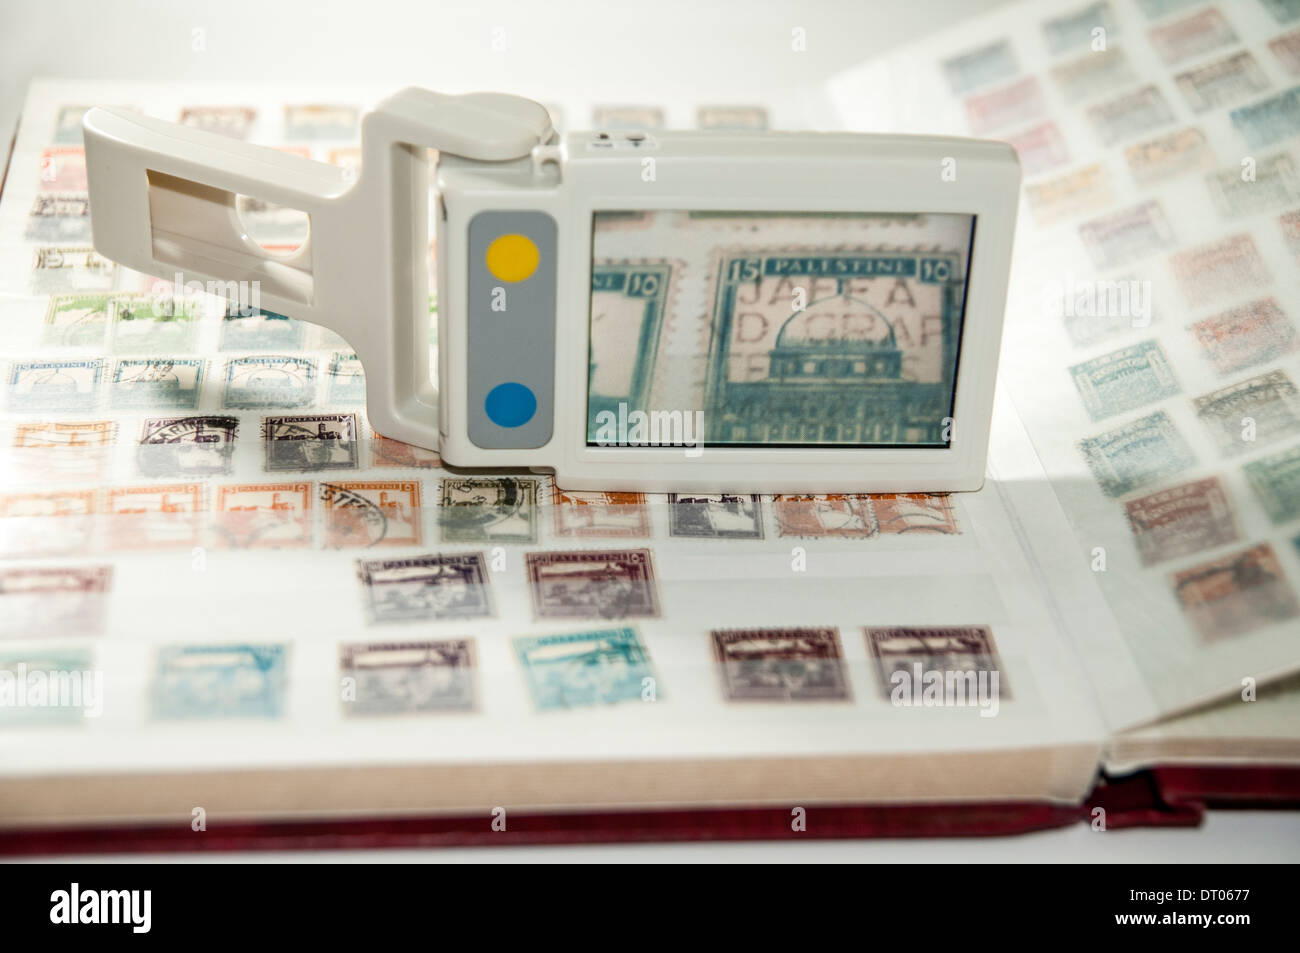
512	257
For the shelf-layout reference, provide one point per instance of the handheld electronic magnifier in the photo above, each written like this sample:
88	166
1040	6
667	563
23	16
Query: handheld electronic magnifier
662	311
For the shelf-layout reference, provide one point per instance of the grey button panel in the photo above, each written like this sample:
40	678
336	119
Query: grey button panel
513	342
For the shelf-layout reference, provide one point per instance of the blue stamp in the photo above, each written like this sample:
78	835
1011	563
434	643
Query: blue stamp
628	304
165	383
868	358
979	67
1074	30
260	331
1269	120
1145	451
41	386
274	381
1124	380
586	668
49	686
347	380
1276	481
220	681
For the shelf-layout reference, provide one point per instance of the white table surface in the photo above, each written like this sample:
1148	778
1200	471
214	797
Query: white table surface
660	52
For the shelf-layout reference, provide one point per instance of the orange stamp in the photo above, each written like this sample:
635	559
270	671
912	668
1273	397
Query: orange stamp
142	517
263	516
372	513
43	524
601	514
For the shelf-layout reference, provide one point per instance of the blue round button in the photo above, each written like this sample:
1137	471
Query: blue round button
510	405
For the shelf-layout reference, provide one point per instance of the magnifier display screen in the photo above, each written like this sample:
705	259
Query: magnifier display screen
775	330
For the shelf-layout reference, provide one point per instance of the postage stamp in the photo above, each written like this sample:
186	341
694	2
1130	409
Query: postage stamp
1269	120
593	584
628	117
68	693
1223	268
488	509
311	442
76	320
900	513
1287	50
833	515
260	331
1169	155
1276	482
1178	40
47	523
583	669
72	269
1064	196
171	383
141	517
67	125
143	324
1092	74
263	516
629	302
59	217
346	381
41	386
1137	454
312	121
53	601
1079	27
1222	82
422	588
781	665
1015	104
1181	520
1235	594
1118	238
270	382
187	446
59	451
1040	148
899	651
1130	114
220	681
979	67
403	678
715	515
1124	380
387	452
1251	413
1243	337
731	118
1275	185
373	513
233	121
579	513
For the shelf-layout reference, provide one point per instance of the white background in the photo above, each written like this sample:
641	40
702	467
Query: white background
661	52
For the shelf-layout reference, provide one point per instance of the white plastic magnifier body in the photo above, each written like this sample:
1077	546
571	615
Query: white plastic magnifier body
164	200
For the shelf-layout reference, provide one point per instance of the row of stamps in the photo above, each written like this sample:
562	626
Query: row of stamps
141	322
203	445
1175	40
1141	374
1240	418
567	671
500	510
279	382
1271	184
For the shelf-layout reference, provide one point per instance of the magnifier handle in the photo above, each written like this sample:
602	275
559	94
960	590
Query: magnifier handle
163	201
